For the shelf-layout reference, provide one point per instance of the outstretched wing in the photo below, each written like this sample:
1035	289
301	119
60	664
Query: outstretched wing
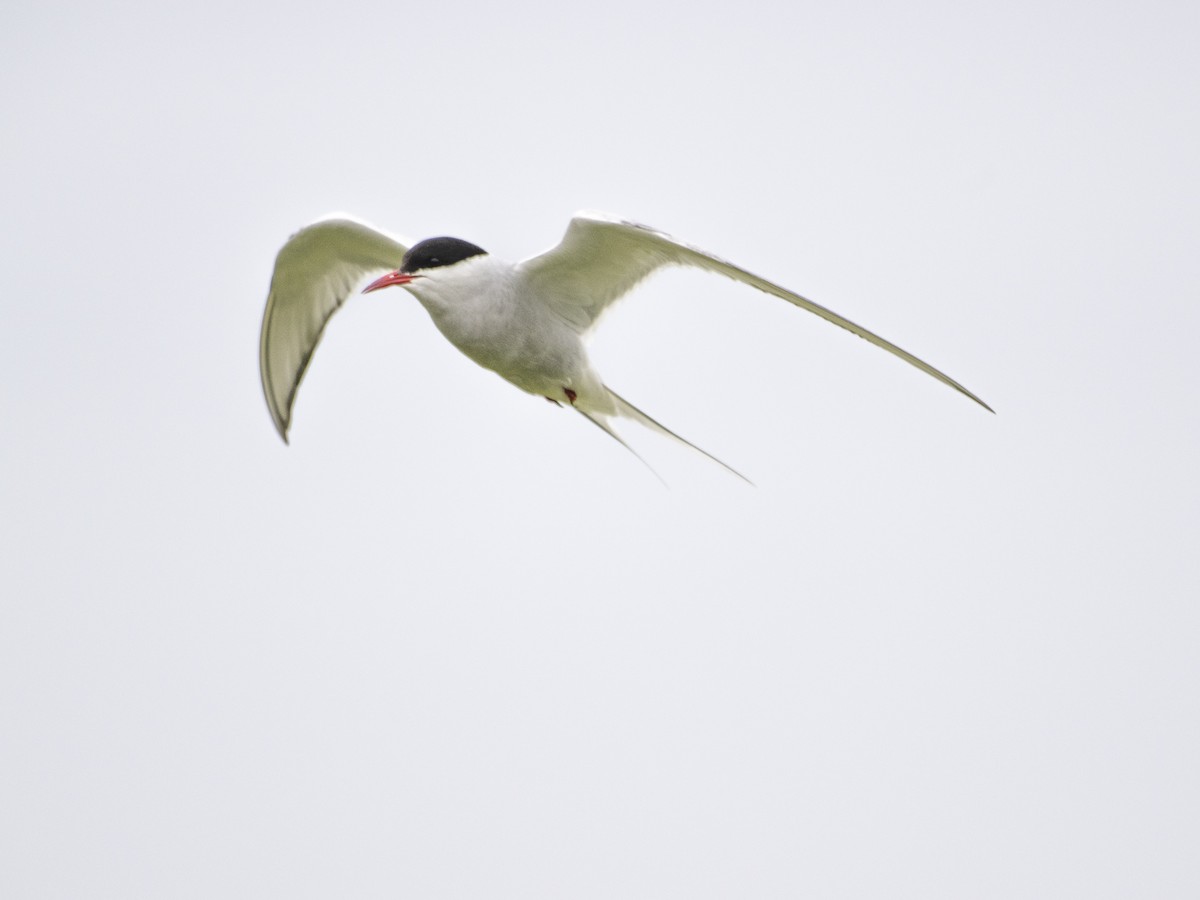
601	258
315	272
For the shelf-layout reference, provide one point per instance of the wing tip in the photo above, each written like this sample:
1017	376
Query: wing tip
283	425
281	422
967	393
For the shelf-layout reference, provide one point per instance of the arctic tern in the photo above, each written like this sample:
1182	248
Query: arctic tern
526	322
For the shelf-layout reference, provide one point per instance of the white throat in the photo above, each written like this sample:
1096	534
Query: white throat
480	280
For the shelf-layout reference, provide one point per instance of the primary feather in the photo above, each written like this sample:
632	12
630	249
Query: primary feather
315	272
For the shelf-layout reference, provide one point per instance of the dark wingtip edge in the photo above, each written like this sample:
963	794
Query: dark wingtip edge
977	400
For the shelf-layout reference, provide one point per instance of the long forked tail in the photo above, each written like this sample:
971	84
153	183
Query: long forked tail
629	411
601	422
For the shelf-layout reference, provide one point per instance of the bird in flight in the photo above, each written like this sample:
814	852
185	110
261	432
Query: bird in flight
526	322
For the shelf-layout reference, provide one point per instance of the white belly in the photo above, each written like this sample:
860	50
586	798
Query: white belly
525	345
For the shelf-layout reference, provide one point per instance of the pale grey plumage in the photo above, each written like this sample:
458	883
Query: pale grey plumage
315	271
525	322
601	258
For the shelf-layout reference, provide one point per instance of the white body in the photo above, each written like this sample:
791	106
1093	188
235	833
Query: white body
496	318
527	322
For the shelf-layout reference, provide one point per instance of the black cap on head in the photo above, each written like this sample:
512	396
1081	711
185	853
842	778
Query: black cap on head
438	251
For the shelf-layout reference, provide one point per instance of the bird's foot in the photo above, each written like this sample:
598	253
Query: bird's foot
571	395
555	402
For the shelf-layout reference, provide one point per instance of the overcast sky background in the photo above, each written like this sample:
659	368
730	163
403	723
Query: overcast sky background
453	642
